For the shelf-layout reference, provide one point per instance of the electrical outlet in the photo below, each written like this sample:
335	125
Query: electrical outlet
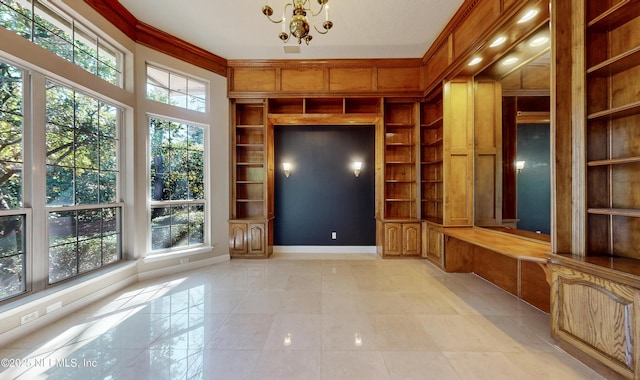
334	235
29	317
54	307
184	261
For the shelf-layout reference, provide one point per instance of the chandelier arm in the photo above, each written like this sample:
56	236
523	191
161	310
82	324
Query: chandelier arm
314	14
284	12
320	31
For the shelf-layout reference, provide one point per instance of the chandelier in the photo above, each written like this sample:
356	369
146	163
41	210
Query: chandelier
299	24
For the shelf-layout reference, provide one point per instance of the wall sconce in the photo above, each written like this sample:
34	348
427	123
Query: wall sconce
287	168
357	167
520	166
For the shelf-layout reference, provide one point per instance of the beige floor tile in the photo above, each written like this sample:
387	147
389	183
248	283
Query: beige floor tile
319	317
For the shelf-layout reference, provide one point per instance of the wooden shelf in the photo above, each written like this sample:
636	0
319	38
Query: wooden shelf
616	64
616	112
615	161
615	16
434	142
633	213
435	124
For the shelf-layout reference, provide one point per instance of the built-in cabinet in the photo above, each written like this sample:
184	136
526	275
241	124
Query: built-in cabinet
250	225
402	239
252	162
595	271
596	311
399	229
433	243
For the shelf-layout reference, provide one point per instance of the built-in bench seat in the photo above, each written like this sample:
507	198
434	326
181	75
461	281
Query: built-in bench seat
516	265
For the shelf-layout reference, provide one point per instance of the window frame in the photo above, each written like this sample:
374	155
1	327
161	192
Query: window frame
118	203
186	250
75	24
171	72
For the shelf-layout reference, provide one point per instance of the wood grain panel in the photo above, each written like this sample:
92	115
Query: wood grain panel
534	284
398	78
536	77
458	255
393	239
351	79
456	200
496	268
439	62
254	80
479	19
237	238
411	236
303	80
485	190
597	315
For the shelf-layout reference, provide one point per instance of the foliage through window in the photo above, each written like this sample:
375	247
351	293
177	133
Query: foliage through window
82	142
59	33
178	90
12	217
177	184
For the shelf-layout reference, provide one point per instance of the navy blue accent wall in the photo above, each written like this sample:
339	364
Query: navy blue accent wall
534	181
322	195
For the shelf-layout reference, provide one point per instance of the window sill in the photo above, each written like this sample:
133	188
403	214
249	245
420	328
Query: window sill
56	291
155	257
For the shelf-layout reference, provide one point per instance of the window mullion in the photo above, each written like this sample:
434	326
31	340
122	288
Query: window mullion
36	181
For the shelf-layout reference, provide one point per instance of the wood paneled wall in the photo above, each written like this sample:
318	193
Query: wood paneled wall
466	33
333	77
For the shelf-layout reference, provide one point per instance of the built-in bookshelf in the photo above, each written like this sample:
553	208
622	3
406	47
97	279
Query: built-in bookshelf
400	173
431	139
613	128
249	162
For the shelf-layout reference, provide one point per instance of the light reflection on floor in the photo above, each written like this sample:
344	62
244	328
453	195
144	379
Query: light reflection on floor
320	318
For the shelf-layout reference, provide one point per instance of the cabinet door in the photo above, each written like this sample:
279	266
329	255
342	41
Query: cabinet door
256	239
393	239
237	238
596	315
434	246
411	239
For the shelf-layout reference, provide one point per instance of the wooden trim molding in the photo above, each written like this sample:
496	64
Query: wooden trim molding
156	39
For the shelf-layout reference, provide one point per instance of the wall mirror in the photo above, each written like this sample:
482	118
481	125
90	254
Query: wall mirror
512	146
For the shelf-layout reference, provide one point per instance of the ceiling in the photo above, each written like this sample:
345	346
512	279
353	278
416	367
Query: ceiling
237	30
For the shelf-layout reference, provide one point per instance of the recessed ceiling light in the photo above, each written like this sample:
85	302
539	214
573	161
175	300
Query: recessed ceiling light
539	41
510	61
531	13
498	41
475	61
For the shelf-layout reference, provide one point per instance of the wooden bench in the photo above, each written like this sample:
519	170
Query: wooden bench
516	265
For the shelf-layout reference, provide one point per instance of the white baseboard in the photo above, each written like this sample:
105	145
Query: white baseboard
68	309
182	267
329	249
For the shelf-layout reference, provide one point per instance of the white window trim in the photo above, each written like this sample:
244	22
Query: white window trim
183	251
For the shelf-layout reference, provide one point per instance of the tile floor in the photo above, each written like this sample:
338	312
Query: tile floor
288	318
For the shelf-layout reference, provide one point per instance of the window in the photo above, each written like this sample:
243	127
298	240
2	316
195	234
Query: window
12	216
57	32
177	184
82	182
177	90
